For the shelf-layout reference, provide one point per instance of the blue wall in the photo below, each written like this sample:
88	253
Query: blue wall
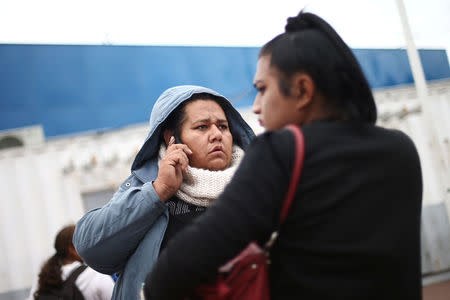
76	88
390	67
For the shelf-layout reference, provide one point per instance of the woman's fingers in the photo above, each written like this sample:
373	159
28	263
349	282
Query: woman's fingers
171	141
172	145
177	157
171	168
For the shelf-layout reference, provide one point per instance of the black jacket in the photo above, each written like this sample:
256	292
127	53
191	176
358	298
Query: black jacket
353	231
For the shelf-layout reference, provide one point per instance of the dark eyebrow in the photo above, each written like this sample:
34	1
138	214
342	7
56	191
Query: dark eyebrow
220	121
256	82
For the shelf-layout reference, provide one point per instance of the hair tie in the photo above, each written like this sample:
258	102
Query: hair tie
296	24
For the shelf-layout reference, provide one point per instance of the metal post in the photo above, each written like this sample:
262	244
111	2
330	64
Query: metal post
413	55
424	100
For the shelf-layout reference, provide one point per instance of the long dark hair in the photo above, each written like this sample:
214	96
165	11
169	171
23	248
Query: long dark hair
311	45
50	275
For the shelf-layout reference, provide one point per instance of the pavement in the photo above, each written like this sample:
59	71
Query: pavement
437	291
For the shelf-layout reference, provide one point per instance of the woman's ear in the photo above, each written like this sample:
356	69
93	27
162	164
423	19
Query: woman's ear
167	134
303	89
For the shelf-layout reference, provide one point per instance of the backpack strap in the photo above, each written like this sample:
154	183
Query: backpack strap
293	184
74	275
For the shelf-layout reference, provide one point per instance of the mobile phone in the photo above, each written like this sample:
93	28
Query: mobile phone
177	139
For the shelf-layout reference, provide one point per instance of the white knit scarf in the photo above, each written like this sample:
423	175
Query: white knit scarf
200	186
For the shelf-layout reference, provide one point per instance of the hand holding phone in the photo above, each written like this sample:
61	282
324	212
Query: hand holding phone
171	168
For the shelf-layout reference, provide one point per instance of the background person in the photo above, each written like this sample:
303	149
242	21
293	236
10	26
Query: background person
169	185
353	231
91	284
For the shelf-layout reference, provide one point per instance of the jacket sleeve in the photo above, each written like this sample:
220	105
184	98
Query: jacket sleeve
248	210
106	237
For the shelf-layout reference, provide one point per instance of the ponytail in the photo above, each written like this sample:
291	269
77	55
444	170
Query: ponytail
50	274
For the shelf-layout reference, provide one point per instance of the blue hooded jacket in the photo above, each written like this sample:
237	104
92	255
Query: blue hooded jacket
125	235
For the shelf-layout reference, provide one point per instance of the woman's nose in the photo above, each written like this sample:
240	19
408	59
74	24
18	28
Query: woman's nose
216	133
256	108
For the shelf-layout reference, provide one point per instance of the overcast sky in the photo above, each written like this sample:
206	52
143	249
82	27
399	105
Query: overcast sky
361	23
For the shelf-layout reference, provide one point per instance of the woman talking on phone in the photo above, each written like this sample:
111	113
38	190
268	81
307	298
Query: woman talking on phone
353	230
194	146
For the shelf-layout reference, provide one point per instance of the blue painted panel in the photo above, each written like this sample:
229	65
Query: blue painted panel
76	88
390	67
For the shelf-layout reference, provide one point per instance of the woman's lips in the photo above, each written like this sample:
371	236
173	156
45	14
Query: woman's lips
217	149
261	122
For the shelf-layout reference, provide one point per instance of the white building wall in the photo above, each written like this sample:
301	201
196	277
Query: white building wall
37	200
42	192
432	140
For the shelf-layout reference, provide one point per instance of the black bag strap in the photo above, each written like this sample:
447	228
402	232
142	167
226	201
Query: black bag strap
293	184
74	275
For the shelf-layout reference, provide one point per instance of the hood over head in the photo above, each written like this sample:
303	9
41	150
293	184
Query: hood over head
168	101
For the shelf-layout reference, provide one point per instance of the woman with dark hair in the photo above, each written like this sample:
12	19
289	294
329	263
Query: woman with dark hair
195	144
62	264
353	231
